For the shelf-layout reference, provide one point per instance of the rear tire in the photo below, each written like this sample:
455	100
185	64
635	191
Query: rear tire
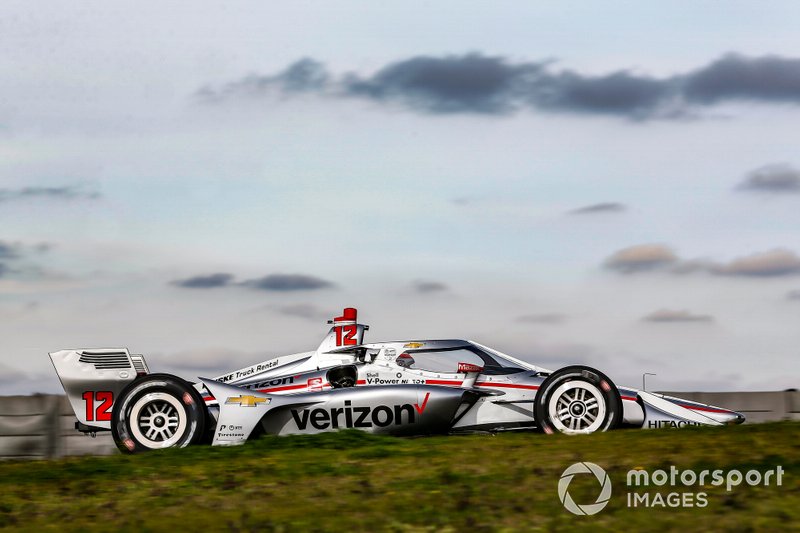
157	411
577	400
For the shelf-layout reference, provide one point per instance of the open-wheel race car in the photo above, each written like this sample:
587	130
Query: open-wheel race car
414	387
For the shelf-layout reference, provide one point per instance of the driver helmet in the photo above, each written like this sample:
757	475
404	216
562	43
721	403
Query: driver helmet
405	360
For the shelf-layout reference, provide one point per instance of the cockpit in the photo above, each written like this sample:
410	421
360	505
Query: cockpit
447	359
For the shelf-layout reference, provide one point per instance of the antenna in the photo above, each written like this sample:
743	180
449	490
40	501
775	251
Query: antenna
644	380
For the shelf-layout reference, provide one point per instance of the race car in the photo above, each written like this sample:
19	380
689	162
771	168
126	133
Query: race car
412	387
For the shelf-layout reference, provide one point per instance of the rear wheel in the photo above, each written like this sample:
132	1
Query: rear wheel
578	399
157	411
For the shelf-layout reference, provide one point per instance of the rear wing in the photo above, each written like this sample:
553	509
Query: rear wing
93	378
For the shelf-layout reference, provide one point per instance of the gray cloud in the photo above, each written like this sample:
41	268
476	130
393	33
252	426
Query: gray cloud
54	193
17	254
668	315
657	257
477	83
773	263
462	201
209	281
772	179
471	83
793	295
738	77
305	75
544	318
604	207
641	258
8	250
288	282
427	287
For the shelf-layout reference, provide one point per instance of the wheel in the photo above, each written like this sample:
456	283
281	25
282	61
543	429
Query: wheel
157	411
577	399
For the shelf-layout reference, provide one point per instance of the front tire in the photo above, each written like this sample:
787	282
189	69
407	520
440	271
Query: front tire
577	400
157	411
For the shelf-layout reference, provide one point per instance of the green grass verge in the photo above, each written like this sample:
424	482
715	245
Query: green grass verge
354	481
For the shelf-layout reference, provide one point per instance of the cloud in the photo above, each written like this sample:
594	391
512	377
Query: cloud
641	258
304	75
545	318
462	201
656	257
772	179
495	85
604	207
427	287
18	253
793	295
471	83
667	315
272	282
288	282
737	77
9	251
52	193
773	263
210	281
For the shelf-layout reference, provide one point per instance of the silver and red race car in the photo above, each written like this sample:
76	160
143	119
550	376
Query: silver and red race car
416	387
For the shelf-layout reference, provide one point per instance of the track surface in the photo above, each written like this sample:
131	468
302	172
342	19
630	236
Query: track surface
354	481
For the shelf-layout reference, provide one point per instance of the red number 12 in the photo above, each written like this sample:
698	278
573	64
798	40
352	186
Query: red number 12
345	335
103	411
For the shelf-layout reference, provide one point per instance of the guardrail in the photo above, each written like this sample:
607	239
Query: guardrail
43	426
756	406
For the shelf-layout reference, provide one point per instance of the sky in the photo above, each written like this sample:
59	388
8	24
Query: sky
606	183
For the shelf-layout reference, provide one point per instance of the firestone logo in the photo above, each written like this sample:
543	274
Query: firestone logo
602	498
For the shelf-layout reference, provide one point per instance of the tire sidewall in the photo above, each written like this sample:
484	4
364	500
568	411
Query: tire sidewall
187	397
607	389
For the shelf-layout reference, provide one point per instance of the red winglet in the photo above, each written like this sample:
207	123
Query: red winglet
348	315
469	367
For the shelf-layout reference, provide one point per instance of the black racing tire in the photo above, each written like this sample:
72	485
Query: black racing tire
577	399
157	411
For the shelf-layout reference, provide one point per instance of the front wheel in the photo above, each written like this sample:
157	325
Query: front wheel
577	399
157	411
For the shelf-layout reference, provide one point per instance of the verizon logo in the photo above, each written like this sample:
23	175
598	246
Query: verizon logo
358	417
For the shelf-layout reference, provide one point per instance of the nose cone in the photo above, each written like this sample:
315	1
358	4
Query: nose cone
739	418
730	417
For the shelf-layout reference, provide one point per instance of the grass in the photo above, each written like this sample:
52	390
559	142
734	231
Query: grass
355	481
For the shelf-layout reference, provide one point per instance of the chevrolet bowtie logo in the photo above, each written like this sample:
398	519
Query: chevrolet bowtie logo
414	345
246	401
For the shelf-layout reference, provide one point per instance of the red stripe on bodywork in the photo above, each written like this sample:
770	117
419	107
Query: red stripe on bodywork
287	387
481	384
707	409
629	398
